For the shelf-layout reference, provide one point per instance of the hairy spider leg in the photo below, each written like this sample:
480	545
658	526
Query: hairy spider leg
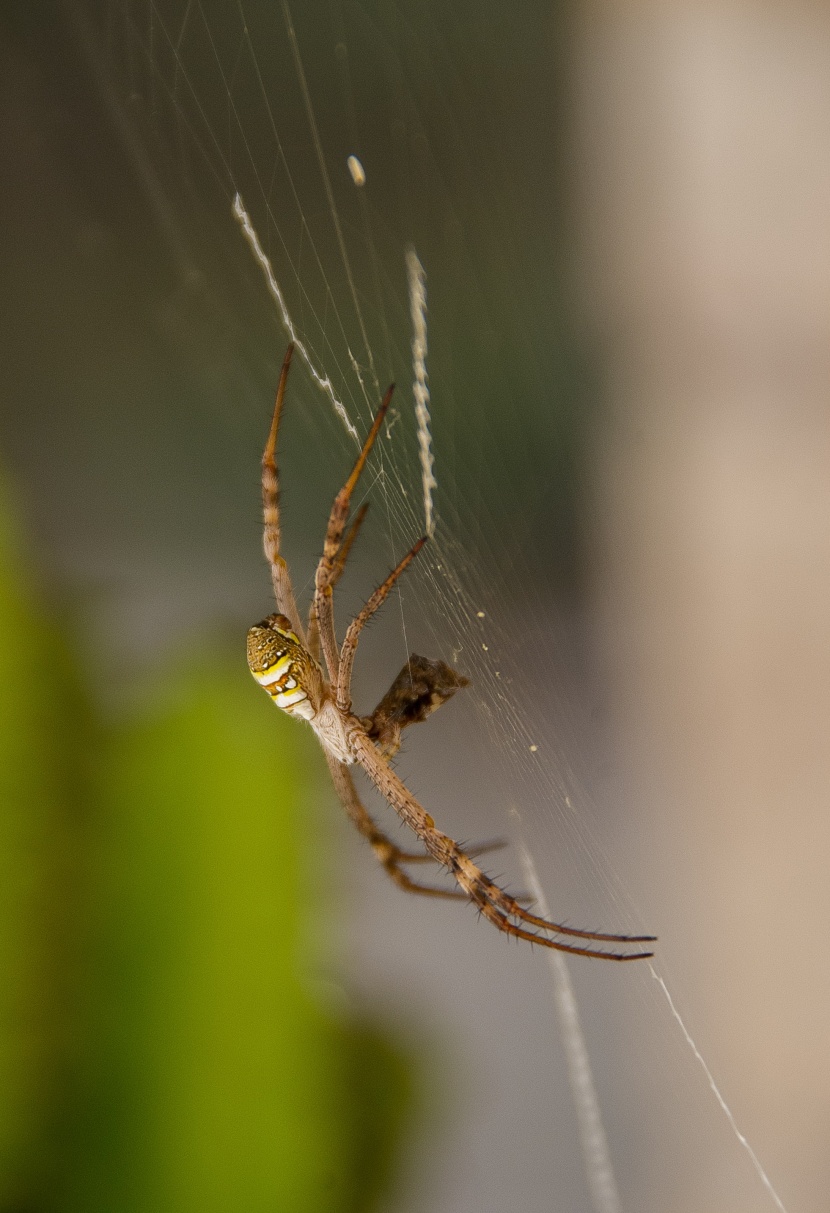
339	565
346	545
347	653
334	533
387	853
283	589
496	905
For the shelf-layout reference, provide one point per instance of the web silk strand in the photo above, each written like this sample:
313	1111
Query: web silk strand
323	382
599	1170
420	390
759	1170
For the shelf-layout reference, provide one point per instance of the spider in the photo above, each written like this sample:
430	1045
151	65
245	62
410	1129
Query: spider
284	658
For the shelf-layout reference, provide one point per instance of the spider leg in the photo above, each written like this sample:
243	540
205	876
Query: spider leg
388	855
376	600
326	569
313	645
497	906
283	590
346	545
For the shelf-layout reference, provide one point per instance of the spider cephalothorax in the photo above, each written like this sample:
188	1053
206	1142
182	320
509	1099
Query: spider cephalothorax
284	659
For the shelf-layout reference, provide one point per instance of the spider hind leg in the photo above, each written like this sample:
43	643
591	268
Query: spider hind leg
389	856
497	906
505	912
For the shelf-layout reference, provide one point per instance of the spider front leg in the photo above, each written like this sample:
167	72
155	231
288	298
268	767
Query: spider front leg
339	565
497	906
326	574
375	601
280	577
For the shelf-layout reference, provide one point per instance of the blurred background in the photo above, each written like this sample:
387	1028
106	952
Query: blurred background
210	997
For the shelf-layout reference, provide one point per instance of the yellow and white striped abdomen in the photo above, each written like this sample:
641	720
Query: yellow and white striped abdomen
283	668
280	683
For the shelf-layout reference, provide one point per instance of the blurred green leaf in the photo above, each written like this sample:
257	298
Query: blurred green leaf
183	1062
31	664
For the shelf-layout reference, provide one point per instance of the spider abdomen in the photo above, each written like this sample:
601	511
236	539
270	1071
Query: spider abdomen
284	668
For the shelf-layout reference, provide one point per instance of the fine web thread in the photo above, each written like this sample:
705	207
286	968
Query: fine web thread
756	1163
324	173
596	1156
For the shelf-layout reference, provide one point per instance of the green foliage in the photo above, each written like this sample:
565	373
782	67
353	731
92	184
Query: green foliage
161	1046
38	776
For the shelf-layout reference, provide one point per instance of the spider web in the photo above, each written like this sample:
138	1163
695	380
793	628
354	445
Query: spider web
267	103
